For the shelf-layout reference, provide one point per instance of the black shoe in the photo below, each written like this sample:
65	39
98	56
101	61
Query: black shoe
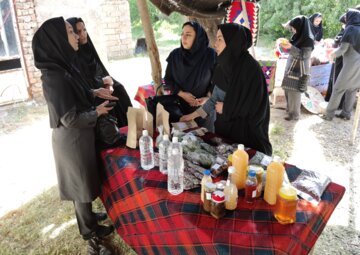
100	232
327	118
342	116
100	216
103	231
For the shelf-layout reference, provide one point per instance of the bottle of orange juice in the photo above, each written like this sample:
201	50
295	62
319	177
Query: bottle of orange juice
240	160
274	178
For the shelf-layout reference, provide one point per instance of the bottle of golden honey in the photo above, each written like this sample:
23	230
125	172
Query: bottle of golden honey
274	178
286	203
240	160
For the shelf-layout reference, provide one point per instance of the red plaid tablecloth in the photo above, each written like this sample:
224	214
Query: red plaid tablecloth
152	221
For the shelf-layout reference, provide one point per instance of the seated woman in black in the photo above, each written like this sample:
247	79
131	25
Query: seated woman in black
240	94
189	70
96	73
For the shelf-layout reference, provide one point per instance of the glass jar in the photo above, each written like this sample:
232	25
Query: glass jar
208	190
218	204
220	185
286	203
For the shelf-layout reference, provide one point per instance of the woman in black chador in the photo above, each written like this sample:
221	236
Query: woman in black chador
240	94
189	70
317	29
96	73
73	118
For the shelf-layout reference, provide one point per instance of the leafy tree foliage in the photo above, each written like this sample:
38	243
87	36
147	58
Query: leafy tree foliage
273	13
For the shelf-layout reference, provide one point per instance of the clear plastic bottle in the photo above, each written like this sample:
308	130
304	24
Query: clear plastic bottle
146	151
163	154
175	168
251	187
240	160
231	191
206	178
274	178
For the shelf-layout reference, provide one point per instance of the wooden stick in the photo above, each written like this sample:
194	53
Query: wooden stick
356	121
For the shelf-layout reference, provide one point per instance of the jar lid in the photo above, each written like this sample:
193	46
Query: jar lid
210	186
218	196
230	157
288	192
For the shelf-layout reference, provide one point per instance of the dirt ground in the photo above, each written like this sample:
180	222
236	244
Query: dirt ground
310	143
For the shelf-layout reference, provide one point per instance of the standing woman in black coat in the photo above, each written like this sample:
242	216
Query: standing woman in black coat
96	74
73	118
317	28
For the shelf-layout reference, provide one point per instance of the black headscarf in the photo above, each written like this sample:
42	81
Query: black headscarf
304	36
317	30
352	29
63	86
246	101
91	64
232	51
189	67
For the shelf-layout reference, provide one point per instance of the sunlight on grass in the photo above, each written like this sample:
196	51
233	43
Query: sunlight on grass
60	229
47	229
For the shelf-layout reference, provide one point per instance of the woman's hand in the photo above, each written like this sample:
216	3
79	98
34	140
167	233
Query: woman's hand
104	94
202	100
188	97
108	81
101	109
189	117
219	107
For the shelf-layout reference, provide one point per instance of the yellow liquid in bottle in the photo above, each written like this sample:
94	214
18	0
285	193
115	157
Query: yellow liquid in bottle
231	196
240	160
274	178
204	180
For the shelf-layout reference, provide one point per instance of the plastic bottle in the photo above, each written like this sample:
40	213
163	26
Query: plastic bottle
146	151
274	178
240	160
231	191
163	154
251	187
206	178
175	168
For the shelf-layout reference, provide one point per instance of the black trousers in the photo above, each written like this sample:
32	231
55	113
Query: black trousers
85	217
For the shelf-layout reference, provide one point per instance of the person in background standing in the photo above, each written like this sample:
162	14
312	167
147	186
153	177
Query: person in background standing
317	29
348	80
300	47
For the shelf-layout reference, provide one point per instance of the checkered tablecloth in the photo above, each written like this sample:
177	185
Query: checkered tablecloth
152	221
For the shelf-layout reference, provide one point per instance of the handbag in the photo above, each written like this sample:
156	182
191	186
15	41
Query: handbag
107	132
171	103
296	80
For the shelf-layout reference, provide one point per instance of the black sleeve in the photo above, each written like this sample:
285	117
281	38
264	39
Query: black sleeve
169	79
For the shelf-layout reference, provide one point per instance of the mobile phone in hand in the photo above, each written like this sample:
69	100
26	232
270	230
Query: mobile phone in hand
110	104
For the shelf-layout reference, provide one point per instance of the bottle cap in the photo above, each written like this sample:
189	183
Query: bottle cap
276	159
252	173
145	132
218	196
241	147
165	138
288	192
231	170
175	139
207	172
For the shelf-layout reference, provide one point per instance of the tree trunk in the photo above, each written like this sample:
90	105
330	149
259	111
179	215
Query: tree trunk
151	44
210	26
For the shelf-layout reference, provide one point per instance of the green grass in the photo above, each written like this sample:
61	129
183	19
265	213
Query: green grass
31	229
281	147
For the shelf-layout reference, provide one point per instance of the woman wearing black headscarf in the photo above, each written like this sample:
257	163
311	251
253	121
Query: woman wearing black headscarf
348	81
240	94
317	29
189	70
96	74
300	47
72	118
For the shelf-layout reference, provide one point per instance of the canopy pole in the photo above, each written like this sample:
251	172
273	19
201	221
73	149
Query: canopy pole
247	24
150	44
